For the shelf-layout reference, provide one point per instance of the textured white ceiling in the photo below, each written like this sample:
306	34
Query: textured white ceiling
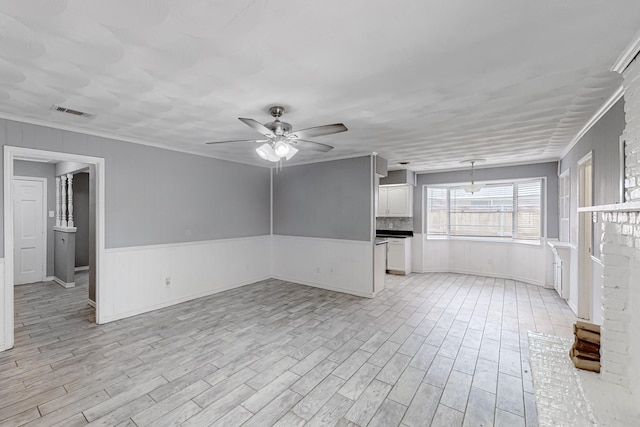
431	82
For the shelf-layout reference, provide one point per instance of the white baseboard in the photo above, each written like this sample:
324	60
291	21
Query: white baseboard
494	275
165	304
81	268
572	307
91	303
321	286
49	279
64	284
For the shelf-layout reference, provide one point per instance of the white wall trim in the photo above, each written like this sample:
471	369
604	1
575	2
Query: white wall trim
604	108
180	244
81	268
325	239
192	270
64	284
10	152
334	264
627	55
148	308
323	286
91	303
505	260
326	159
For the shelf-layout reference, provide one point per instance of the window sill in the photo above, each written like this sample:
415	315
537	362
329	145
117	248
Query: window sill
537	242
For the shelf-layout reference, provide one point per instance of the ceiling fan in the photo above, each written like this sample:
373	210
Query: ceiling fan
281	141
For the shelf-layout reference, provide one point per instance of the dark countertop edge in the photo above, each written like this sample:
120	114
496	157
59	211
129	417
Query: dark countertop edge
394	233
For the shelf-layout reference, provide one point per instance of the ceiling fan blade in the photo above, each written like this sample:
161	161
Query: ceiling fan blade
257	126
238	140
311	145
320	130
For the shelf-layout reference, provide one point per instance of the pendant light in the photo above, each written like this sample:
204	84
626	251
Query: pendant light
473	187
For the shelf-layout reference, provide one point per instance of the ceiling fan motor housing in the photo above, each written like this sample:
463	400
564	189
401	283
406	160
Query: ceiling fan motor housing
278	127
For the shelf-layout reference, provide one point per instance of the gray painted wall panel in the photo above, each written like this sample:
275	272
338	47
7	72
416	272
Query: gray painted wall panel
42	170
65	247
399	177
548	170
157	196
603	140
330	199
81	218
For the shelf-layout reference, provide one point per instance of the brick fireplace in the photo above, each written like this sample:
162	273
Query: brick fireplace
620	249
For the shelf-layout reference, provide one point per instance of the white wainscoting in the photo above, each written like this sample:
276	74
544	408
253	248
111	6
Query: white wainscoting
135	277
338	265
510	260
597	268
573	281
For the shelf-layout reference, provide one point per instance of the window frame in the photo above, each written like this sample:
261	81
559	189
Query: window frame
451	185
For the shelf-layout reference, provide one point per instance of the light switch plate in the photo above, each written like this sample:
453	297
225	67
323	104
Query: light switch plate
51	214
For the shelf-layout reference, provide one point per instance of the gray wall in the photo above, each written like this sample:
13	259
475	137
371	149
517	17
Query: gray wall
65	244
538	170
81	217
42	170
156	196
330	199
399	177
603	140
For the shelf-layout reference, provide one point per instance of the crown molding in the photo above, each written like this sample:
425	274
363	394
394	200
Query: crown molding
489	166
80	130
604	108
627	55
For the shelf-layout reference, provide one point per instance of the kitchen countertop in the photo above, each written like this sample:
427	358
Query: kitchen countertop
382	241
394	233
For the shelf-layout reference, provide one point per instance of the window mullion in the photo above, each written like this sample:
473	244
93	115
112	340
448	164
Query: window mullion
514	221
448	212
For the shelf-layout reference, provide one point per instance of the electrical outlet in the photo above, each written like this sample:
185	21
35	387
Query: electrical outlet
167	280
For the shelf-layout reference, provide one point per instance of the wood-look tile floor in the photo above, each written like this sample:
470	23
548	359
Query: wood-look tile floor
432	349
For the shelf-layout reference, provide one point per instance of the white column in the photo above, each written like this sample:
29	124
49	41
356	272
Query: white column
70	200
63	201
58	201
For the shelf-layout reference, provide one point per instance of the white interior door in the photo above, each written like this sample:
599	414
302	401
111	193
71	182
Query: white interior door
29	228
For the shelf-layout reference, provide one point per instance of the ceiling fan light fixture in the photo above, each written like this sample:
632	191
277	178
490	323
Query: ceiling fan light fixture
282	148
267	152
292	152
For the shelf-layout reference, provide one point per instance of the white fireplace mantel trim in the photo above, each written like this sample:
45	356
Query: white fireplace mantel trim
616	207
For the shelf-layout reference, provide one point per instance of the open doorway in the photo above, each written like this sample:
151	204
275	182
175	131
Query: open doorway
585	236
58	259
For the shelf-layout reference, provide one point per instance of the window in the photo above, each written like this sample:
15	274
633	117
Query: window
507	210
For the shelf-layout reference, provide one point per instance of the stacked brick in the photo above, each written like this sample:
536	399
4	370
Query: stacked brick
585	352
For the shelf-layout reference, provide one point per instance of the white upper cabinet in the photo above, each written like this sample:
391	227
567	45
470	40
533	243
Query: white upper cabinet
395	201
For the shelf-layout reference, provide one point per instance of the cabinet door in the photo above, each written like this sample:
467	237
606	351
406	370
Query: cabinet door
383	196
399	201
395	255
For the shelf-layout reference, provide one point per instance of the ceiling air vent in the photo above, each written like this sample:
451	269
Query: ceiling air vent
61	109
